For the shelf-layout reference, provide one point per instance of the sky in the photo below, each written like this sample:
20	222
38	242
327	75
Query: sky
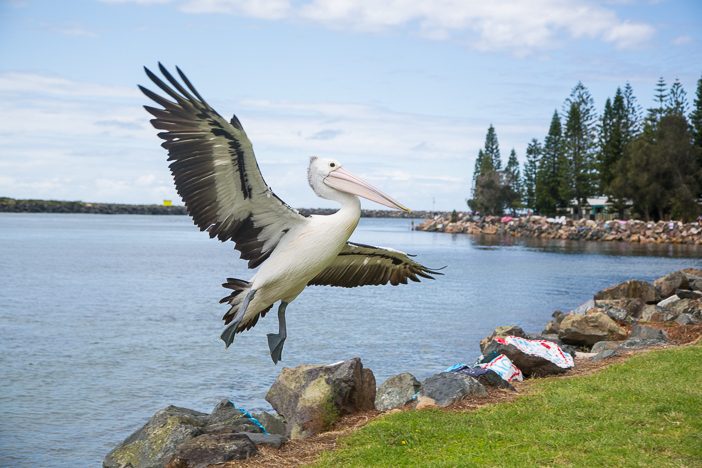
401	92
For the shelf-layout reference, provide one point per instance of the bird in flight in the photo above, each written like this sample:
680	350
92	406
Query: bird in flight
217	176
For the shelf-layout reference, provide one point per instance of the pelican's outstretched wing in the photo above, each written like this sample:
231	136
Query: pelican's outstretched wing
216	172
361	265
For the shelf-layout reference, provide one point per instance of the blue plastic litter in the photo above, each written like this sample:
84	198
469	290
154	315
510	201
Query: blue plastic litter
250	417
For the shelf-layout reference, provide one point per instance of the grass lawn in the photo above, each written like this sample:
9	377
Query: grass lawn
646	411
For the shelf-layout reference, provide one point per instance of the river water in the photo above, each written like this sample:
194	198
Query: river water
105	319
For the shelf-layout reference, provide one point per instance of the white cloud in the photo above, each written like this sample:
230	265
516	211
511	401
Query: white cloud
682	40
512	25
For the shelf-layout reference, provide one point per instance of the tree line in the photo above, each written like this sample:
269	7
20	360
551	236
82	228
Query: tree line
650	164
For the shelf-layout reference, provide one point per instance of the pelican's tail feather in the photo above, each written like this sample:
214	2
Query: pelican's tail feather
237	323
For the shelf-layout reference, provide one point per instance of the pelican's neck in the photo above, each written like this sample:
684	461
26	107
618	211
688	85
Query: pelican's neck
350	211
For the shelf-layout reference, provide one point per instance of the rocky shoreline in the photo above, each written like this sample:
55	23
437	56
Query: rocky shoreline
540	227
311	399
11	205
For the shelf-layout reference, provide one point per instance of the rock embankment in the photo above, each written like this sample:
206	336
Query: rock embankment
310	399
540	227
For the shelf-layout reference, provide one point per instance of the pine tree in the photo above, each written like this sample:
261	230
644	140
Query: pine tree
533	155
613	140
513	182
676	101
696	117
478	164
633	114
655	113
492	148
547	178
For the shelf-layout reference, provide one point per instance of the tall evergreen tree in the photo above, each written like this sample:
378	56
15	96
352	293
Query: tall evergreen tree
492	148
533	155
613	139
575	173
633	113
696	117
478	165
676	101
513	182
548	195
655	113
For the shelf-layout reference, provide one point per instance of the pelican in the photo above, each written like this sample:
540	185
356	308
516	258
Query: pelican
217	176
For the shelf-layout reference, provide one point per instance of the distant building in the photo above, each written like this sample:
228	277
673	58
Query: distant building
167	202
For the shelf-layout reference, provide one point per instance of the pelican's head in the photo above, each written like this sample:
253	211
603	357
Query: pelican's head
327	177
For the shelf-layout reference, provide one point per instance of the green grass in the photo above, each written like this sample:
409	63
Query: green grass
646	411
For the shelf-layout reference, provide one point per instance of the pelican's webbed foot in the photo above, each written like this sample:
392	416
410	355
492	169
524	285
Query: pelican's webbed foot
277	340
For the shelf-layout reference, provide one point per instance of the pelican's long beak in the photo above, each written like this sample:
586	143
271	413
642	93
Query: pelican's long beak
343	180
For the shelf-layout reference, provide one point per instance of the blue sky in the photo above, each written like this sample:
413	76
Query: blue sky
401	92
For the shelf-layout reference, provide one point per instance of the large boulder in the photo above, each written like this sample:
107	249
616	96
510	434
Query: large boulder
209	449
587	329
225	417
447	388
396	391
156	442
642	332
668	284
507	330
273	423
312	397
632	289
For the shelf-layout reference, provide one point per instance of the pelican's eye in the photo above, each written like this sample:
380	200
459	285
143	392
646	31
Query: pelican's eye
332	165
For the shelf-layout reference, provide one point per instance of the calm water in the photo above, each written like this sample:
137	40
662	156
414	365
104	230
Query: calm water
106	319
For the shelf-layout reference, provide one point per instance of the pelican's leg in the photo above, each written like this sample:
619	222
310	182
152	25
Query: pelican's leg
229	332
276	340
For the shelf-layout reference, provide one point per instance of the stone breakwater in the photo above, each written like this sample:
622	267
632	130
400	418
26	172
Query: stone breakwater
644	232
311	399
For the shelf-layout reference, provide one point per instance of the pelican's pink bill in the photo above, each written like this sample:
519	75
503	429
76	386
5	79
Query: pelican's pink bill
343	180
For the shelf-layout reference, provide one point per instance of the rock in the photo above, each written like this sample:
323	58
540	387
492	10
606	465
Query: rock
155	443
605	354
582	308
312	397
668	284
695	284
639	343
668	301
501	331
589	328
447	388
273	423
550	328
210	449
493	379
529	364
652	313
632	289
687	294
685	319
396	391
604	345
424	402
226	418
643	332
622	310
271	440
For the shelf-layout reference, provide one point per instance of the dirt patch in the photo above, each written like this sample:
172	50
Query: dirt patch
307	451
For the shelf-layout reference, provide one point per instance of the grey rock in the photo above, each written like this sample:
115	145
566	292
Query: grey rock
668	284
670	300
643	332
273	423
493	379
584	307
685	319
396	391
652	313
605	345
155	443
225	417
507	330
271	440
696	284
210	449
622	310
447	388
606	354
587	329
640	343
632	289
311	398
683	306
687	294
530	365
